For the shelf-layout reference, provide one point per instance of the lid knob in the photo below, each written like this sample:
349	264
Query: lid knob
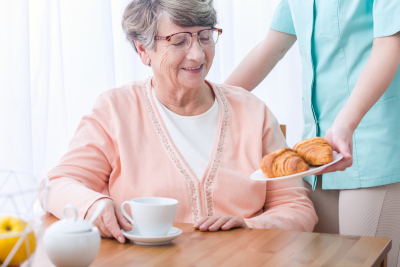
64	213
70	224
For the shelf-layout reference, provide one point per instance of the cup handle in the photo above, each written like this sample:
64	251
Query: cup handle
126	214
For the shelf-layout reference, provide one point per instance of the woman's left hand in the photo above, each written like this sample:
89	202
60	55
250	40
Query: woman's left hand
341	139
222	221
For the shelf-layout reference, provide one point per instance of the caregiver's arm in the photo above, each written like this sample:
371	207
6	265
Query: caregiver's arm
375	78
261	60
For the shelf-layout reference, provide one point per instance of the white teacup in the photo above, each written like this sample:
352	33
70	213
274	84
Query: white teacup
153	216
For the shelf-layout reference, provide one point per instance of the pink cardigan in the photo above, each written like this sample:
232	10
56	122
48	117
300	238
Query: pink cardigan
122	150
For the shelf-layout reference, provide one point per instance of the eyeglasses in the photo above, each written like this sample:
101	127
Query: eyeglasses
183	40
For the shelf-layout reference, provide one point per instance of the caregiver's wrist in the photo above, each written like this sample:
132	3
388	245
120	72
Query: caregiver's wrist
348	119
346	124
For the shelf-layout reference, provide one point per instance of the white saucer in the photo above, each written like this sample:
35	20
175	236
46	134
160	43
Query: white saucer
135	236
259	175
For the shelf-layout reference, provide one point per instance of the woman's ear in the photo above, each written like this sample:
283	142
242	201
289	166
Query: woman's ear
142	51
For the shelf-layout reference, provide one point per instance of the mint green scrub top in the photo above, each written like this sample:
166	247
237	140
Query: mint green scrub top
335	40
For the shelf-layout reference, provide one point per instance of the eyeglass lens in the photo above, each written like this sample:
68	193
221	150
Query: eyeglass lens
206	38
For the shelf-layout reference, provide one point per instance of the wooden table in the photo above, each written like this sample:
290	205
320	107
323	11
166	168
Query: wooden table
241	247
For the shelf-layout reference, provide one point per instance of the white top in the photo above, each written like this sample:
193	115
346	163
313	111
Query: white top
193	136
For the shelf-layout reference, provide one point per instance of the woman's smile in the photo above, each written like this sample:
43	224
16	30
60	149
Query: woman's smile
194	69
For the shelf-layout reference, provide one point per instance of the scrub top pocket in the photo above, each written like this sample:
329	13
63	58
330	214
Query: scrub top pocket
329	17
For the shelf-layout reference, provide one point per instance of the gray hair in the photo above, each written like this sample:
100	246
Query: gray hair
141	17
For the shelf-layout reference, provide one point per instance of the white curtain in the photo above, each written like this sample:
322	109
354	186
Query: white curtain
57	56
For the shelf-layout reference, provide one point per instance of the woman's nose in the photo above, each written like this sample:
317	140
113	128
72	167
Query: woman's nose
195	51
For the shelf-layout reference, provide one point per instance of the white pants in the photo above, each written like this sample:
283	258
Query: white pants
371	211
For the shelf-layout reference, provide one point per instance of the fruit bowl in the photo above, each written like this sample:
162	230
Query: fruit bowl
21	216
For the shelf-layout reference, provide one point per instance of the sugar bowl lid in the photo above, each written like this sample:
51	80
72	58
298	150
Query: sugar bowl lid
70	225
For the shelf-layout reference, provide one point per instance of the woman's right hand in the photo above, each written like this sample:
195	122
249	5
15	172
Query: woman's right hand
110	221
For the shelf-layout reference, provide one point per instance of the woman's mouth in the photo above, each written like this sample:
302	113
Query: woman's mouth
194	69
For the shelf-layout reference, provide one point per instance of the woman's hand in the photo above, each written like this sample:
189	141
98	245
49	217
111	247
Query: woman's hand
110	220
341	139
222	221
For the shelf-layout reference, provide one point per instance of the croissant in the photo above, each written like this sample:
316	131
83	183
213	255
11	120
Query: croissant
282	162
315	151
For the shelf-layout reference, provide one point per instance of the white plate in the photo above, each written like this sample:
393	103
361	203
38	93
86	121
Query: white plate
259	175
135	236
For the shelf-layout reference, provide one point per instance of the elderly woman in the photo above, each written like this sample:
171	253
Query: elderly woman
177	135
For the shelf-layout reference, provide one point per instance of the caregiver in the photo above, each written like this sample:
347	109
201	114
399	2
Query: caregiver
350	52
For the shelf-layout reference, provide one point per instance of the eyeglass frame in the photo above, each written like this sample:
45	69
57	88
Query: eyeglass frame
168	37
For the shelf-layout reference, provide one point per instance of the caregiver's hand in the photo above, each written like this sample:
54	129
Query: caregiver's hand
110	220
222	221
341	140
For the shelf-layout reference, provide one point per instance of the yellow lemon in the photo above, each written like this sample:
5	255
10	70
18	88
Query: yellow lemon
10	225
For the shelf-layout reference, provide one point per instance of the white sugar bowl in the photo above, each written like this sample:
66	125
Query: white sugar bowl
71	241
